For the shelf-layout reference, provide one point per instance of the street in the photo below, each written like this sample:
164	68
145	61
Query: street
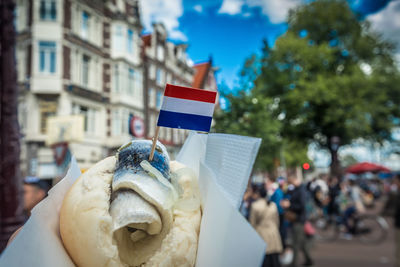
353	253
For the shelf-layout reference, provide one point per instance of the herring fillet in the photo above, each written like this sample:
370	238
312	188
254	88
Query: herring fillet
140	205
130	210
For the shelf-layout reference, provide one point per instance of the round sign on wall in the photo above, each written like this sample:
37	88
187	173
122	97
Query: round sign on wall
136	126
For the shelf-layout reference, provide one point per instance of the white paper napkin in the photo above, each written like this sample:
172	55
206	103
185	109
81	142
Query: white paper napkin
231	158
39	242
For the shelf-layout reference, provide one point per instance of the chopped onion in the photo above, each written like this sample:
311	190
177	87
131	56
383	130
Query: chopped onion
157	174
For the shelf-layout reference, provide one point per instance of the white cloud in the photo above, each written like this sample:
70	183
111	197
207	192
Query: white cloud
190	62
387	22
276	10
198	8
231	7
166	12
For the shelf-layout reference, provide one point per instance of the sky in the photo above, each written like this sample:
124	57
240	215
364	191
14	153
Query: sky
232	30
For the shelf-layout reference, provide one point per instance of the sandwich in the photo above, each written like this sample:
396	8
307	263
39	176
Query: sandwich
129	211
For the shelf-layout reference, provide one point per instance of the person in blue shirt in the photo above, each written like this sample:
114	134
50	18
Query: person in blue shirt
276	197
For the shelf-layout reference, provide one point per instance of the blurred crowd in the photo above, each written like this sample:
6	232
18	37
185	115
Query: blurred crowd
284	211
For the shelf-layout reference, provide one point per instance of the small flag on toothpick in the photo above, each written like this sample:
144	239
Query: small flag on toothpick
185	108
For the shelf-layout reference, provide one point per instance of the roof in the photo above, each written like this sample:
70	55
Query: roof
146	40
201	72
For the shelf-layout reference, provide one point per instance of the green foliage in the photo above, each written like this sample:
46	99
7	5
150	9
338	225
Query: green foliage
295	153
329	75
252	115
320	82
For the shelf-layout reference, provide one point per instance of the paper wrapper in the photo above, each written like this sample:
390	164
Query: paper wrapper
223	164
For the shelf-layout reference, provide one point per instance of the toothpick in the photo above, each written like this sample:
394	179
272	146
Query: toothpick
153	147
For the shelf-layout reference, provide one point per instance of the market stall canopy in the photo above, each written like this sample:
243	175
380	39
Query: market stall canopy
363	167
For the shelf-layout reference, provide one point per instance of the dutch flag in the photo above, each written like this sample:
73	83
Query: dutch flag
187	108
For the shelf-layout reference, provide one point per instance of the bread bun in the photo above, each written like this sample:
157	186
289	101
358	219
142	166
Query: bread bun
86	225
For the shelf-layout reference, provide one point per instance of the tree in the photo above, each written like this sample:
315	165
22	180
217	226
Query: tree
333	79
11	216
250	114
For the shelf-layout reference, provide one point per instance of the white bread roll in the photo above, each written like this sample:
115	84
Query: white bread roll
86	224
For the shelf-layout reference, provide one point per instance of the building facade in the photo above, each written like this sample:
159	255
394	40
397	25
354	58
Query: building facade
77	57
88	58
204	76
164	62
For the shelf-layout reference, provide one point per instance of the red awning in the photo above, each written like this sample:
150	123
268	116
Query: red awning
366	167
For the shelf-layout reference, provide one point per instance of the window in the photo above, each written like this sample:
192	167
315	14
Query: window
168	134
175	136
129	42
182	55
116	79
138	85
159	77
160	53
118	38
116	123
22	115
89	117
84	112
47	57
152	125
85	70
131	81
48	10
21	60
47	108
158	99
125	121
85	25
161	133
152	98
152	71
20	16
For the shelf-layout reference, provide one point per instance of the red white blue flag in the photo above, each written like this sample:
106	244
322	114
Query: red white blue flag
187	108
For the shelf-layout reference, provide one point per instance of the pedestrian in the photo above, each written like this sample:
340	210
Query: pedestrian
334	191
295	212
248	199
277	197
35	190
354	207
264	218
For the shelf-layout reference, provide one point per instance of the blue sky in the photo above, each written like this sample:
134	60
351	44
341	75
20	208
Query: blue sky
232	30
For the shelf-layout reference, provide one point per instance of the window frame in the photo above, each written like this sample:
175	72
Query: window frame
129	41
89	117
159	76
85	70
131	81
159	96
47	108
48	10
47	57
85	24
